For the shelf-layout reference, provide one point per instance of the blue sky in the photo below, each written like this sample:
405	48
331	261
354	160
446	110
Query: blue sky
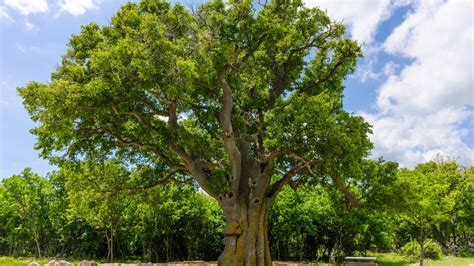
414	85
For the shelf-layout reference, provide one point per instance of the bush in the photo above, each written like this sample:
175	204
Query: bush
411	250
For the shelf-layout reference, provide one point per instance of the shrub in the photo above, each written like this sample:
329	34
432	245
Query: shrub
411	250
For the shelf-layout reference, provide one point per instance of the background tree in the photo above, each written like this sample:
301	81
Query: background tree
95	194
431	192
313	223
25	204
229	94
174	222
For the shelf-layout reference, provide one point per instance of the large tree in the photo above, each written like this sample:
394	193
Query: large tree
244	97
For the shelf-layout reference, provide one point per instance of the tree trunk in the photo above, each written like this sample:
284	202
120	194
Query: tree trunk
110	246
422	253
37	244
422	240
246	239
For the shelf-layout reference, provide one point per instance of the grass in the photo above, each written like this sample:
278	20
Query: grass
10	261
383	259
392	259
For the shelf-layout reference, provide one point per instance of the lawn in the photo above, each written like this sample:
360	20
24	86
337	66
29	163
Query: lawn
383	259
10	261
392	259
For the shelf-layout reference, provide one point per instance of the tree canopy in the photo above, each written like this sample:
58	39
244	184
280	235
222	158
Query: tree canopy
231	94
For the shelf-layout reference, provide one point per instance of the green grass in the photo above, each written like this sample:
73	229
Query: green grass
392	259
383	259
10	261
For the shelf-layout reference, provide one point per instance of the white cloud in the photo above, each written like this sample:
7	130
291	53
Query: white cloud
26	7
363	16
390	68
29	25
4	13
422	109
366	71
28	49
77	7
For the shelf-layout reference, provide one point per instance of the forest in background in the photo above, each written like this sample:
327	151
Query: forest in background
97	210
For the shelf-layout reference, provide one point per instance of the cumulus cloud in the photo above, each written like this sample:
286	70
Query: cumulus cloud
363	16
422	110
77	7
26	7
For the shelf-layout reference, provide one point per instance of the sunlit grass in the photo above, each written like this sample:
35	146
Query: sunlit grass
392	259
383	259
10	261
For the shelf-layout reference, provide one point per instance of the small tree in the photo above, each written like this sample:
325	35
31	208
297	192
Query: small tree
430	193
230	94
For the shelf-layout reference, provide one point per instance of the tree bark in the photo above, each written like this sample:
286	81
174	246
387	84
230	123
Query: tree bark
38	247
110	246
422	253
422	241
246	239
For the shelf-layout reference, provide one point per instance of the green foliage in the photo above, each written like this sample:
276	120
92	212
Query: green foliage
313	224
176	221
147	89
164	94
91	204
26	199
411	250
436	197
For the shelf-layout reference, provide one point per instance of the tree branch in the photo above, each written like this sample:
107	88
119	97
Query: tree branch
230	144
136	115
321	80
285	179
351	199
270	162
192	166
163	181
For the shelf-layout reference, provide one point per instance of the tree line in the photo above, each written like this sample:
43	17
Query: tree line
109	211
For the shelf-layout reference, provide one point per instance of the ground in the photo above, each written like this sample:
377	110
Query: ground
383	259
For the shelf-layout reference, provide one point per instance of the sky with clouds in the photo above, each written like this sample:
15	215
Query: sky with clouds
414	84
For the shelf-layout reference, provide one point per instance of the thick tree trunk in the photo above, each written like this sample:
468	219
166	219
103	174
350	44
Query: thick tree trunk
246	233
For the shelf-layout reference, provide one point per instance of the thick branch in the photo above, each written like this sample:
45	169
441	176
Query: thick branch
191	165
285	179
230	144
155	109
350	197
270	162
